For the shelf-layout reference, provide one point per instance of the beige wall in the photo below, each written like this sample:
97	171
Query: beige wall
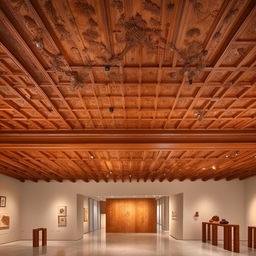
176	221
250	202
222	198
12	190
39	201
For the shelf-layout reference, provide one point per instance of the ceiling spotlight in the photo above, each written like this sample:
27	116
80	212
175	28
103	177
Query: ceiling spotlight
91	156
214	167
107	67
203	168
130	175
227	156
110	172
237	153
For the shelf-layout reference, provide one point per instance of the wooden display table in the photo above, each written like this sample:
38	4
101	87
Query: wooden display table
250	229
36	237
207	227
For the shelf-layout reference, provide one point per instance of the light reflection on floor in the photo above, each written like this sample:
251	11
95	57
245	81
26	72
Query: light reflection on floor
98	243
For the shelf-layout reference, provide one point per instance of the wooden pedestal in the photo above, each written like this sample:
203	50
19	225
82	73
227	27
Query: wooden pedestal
251	234
212	229
36	237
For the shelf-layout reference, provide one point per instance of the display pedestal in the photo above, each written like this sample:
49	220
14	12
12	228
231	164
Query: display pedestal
212	230
250	231
36	237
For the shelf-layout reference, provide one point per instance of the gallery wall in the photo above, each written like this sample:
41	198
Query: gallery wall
39	201
11	189
222	198
225	199
176	216
39	209
250	202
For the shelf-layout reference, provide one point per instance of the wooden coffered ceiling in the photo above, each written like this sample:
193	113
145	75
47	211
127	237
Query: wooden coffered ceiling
127	89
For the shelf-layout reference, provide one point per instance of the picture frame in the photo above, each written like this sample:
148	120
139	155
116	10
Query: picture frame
62	211
62	221
4	221
85	214
2	201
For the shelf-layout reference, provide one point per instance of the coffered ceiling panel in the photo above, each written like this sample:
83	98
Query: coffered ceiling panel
69	66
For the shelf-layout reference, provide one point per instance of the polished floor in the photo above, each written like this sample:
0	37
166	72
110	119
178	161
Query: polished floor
98	243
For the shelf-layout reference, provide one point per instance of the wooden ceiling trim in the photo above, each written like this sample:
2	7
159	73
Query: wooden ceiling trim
13	172
88	169
12	165
55	175
31	165
62	170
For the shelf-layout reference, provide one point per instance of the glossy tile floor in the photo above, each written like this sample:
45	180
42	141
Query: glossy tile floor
98	243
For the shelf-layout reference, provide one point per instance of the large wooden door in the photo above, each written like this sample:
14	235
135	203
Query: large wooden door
131	215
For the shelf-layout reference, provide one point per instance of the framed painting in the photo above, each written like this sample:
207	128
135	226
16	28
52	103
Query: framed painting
85	214
62	210
4	221
62	221
2	201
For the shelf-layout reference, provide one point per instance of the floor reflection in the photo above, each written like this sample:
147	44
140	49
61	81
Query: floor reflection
99	243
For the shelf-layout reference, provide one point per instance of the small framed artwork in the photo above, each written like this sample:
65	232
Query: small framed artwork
85	214
62	210
4	221
2	201
62	221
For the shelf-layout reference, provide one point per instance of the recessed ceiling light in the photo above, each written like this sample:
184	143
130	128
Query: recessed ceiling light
91	156
39	45
227	156
203	168
110	172
214	167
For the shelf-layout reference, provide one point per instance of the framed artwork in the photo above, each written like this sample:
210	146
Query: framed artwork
4	221
62	210
85	214
2	201
62	221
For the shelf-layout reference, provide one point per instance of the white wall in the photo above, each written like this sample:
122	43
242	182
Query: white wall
12	190
176	222
39	209
222	198
38	204
250	202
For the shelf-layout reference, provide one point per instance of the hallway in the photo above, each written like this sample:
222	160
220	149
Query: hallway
98	243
